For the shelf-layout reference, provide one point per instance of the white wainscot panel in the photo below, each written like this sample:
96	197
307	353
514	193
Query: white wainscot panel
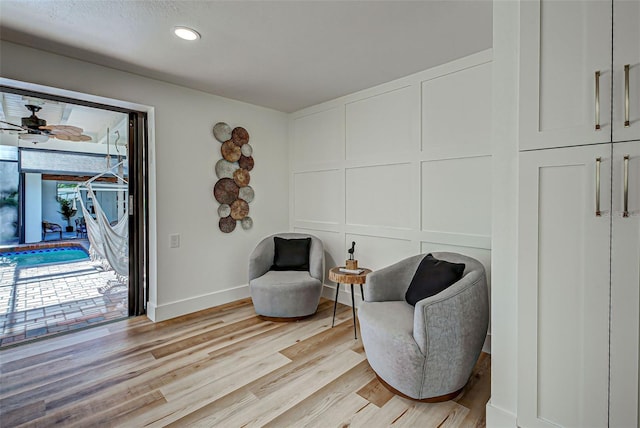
456	196
381	196
456	113
333	243
375	253
381	124
319	137
318	197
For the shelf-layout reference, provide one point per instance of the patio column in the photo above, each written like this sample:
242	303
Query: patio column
32	207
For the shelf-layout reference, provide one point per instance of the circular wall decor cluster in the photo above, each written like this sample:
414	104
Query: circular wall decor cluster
232	189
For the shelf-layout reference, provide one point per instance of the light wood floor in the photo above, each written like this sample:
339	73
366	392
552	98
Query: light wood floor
220	367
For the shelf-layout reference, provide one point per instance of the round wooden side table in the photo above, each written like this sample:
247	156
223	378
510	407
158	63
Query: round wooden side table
348	278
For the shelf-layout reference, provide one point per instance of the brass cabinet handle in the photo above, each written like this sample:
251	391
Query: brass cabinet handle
598	161
625	190
626	96
598	100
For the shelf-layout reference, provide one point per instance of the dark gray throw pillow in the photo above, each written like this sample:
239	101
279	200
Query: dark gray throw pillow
291	254
432	277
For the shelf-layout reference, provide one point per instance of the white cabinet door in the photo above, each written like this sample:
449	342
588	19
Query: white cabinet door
625	283
563	288
626	52
563	44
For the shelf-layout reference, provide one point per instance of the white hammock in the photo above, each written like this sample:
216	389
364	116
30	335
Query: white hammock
109	244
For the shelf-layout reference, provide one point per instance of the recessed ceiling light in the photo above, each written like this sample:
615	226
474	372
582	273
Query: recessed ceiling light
186	33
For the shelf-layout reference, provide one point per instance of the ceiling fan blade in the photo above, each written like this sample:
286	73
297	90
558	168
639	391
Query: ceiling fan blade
63	132
19	128
66	137
62	129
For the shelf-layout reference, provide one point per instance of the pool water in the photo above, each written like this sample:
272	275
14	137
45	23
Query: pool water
43	256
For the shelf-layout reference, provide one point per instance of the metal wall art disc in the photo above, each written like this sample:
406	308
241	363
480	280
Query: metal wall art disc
225	191
222	132
246	162
232	189
225	169
224	210
246	223
241	177
227	224
240	136
246	193
239	209
230	151
246	150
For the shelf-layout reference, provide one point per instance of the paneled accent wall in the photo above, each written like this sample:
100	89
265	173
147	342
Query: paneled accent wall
402	168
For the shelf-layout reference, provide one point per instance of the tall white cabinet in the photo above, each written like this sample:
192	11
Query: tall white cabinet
625	286
626	70
563	289
569	84
579	214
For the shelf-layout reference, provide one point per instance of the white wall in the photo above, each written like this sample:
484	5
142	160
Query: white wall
51	206
33	208
395	151
401	168
502	408
210	267
108	203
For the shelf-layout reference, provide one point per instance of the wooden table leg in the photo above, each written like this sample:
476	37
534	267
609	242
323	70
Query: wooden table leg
353	308
361	292
335	303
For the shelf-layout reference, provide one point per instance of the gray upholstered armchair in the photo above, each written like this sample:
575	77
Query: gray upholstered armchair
285	293
427	352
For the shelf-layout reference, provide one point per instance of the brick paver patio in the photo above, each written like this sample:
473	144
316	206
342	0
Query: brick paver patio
47	299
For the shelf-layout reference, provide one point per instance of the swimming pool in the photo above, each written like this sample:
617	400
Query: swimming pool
40	256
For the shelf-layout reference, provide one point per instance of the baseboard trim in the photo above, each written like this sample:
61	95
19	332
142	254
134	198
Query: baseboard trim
194	304
499	418
487	344
150	311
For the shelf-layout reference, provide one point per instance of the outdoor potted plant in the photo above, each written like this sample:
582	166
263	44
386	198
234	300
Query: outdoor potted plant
67	211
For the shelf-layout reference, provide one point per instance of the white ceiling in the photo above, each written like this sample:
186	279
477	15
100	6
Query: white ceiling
94	122
286	55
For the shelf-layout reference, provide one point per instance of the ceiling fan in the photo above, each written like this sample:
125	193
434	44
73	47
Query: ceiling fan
37	130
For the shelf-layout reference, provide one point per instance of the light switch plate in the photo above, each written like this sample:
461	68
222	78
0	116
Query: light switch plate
174	240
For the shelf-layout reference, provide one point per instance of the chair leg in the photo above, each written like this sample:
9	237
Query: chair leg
353	308
335	303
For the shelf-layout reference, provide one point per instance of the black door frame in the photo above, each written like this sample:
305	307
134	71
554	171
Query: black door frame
139	214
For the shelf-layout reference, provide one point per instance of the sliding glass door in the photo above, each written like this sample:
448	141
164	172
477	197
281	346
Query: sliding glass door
9	185
40	171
